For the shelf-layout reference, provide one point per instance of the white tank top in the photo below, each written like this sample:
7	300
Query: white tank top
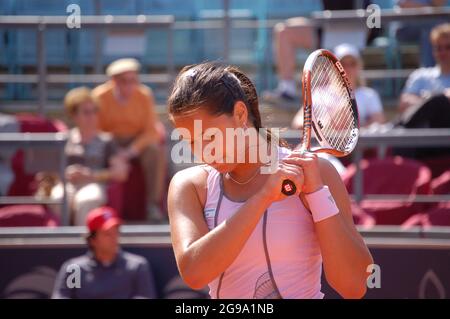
281	258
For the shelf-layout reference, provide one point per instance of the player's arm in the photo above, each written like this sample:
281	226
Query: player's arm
344	253
203	255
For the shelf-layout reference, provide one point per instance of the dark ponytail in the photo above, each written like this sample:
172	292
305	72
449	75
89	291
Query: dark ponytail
215	87
250	94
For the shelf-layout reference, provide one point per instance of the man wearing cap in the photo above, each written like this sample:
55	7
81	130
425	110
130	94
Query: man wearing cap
105	271
127	111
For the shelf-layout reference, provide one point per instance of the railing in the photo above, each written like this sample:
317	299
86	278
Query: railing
42	23
408	138
423	251
159	235
386	15
380	140
16	141
142	22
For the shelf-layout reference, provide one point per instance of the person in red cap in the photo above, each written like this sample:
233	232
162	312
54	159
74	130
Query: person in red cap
105	271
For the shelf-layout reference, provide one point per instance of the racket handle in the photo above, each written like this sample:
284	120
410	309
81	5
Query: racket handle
288	187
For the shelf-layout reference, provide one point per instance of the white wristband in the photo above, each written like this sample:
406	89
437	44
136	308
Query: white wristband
321	204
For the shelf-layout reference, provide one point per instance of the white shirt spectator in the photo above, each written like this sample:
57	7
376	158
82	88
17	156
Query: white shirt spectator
368	102
427	81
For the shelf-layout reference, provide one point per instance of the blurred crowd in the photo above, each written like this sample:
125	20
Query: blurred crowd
113	128
117	164
117	147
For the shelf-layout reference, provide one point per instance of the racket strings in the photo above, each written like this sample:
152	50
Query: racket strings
337	94
332	106
327	92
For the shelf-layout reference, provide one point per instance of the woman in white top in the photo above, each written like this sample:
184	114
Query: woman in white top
231	226
370	109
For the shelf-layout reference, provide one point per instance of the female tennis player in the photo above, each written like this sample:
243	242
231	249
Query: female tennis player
232	228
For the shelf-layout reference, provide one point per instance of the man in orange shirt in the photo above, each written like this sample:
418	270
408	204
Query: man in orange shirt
127	110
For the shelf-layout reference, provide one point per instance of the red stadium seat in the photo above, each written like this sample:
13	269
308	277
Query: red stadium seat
438	165
23	184
391	176
441	184
438	216
360	217
419	219
27	215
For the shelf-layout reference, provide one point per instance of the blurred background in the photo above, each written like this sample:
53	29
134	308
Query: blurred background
396	52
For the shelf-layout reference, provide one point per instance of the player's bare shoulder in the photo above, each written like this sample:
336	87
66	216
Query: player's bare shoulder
193	177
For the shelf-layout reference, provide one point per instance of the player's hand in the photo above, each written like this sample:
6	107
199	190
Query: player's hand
271	191
309	162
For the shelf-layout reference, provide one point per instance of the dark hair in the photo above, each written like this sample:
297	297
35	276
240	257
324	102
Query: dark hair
215	87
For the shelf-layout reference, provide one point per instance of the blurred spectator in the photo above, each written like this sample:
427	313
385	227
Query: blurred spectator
370	109
127	110
425	102
425	83
291	35
105	271
91	157
8	124
417	31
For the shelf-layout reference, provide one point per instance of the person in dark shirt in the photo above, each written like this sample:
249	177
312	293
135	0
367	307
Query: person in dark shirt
105	271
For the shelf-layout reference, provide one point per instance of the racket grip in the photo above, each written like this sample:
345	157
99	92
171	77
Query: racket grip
288	187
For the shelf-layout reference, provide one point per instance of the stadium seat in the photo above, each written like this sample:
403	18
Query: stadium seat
282	9
118	7
181	9
441	184
241	43
395	176
156	39
23	184
360	217
27	216
384	4
438	216
56	40
438	165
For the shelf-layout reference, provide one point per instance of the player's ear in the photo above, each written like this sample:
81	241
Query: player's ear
240	114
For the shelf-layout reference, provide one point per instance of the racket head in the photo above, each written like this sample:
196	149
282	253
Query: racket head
329	106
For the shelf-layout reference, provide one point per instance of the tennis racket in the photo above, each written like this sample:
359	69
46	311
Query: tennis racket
329	109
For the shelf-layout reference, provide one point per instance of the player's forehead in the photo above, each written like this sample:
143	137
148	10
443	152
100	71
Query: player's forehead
200	121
